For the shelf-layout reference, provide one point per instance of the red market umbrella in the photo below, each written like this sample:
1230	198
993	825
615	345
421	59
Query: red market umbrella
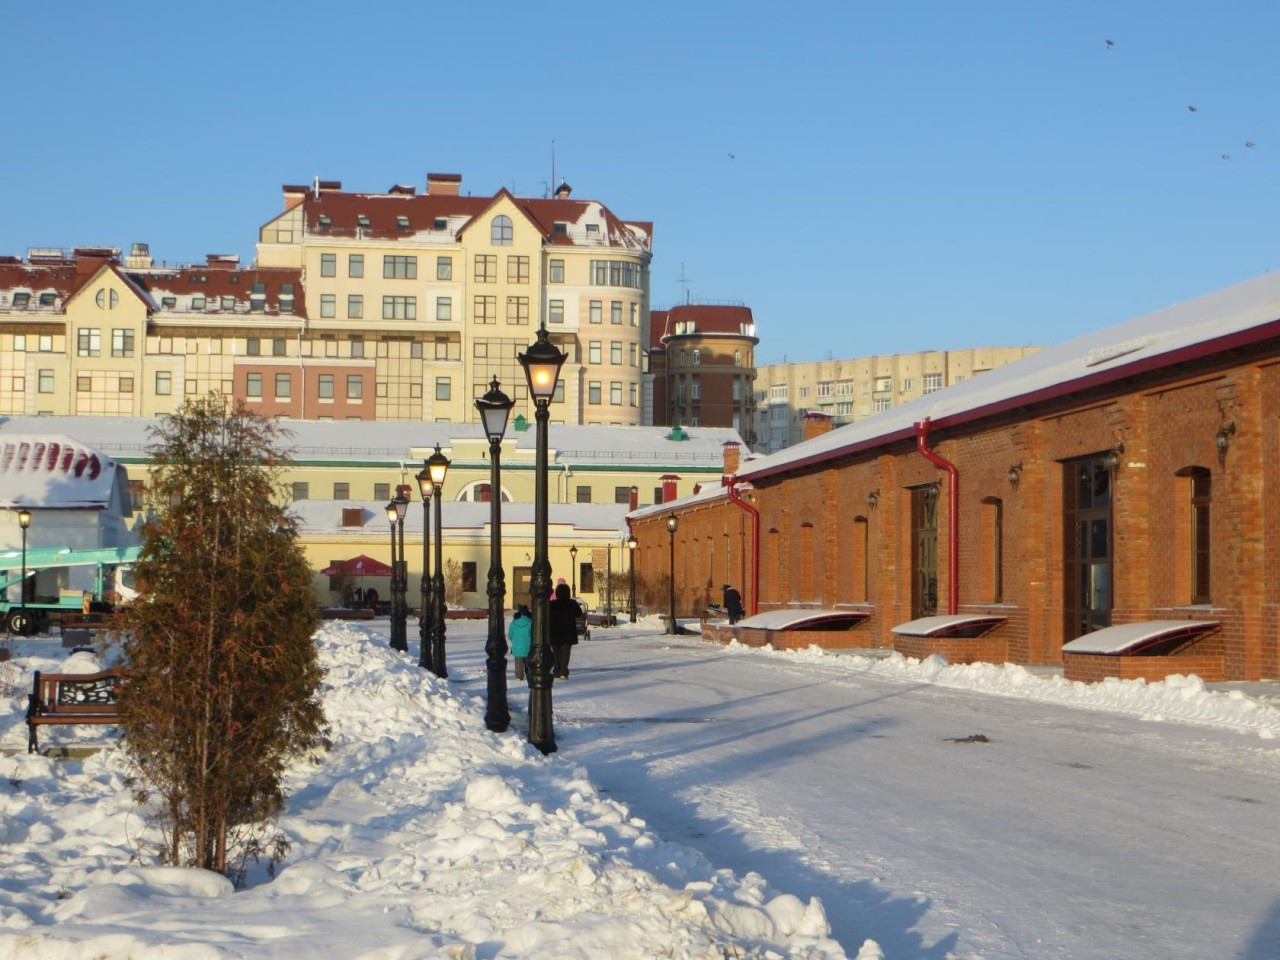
361	566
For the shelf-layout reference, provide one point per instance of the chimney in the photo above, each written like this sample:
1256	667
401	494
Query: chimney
635	497
668	486
816	424
444	184
563	191
732	457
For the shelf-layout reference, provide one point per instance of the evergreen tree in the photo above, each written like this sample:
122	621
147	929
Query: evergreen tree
224	678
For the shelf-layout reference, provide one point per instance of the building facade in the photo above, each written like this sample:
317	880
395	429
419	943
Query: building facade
392	306
702	360
1100	505
850	390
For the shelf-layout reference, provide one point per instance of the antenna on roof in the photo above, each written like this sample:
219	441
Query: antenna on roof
684	282
553	165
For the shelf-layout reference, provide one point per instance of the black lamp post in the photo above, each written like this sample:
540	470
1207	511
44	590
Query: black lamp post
495	407
402	618
573	570
631	567
672	523
438	466
393	517
541	362
425	614
24	521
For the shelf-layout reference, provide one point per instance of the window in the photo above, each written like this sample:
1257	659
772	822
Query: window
22	298
593	351
586	577
615	312
198	302
399	267
284	386
253	386
355	386
632	352
1192	535
328	264
45	381
621	494
517	309
355	265
992	572
555	311
469	576
444	308
517	269
164	383
169	303
615	393
355	306
342	491
328	305
278	347
106	299
301	490
500	231
399	308
615	352
485	310
595	308
357	348
881	404
402	222
444	268
444	388
615	273
583	494
486	268
695	387
89	342
382	492
697	357
593	391
555	271
1200	536
324	388
122	343
631	394
84	384
932	382
362	220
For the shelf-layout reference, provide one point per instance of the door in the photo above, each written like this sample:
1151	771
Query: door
1089	542
521	589
924	551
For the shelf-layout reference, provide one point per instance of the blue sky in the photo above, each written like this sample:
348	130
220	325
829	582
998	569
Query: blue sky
867	177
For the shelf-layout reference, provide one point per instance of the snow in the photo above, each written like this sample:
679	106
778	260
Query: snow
420	834
1128	636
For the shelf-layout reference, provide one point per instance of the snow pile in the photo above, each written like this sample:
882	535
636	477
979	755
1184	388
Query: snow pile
419	835
1182	698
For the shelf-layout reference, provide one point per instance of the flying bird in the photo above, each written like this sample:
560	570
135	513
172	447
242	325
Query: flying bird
1110	44
1192	109
1249	144
732	157
1226	156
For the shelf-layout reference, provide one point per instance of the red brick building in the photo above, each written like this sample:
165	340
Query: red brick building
1102	504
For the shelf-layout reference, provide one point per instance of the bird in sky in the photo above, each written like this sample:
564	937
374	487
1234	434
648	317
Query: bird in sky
1192	109
1249	144
732	157
1110	44
1226	156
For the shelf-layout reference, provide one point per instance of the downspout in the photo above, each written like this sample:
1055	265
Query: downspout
953	513
728	483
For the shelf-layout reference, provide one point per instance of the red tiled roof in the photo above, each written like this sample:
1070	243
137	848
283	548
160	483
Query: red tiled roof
707	318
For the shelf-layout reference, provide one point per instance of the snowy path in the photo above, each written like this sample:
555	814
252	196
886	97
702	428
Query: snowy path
1070	833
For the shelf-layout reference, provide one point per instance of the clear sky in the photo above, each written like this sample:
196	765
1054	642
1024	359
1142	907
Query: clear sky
867	177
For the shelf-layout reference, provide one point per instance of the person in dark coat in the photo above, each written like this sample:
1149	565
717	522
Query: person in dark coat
562	617
733	604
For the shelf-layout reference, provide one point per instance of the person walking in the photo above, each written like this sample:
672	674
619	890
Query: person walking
521	636
563	614
733	604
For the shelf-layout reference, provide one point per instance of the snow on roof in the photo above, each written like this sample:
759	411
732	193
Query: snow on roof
1248	311
1132	637
52	470
948	625
799	619
379	441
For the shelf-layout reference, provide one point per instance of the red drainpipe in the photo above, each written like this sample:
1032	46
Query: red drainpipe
753	604
953	513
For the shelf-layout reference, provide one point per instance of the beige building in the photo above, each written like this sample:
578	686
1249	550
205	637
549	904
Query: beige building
848	390
359	306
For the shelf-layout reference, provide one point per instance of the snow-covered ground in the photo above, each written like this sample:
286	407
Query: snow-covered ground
423	835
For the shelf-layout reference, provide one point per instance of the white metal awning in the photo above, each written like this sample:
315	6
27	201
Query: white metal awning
1130	638
951	625
804	619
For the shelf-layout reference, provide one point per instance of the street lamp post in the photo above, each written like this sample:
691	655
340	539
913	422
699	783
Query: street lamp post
495	407
24	627
541	362
672	523
402	571
393	516
631	567
438	466
573	570
425	614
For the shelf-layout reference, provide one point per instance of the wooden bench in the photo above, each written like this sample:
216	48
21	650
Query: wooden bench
71	698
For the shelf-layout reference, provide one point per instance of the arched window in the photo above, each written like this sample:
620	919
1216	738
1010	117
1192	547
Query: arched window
861	567
500	231
480	492
697	357
992	572
1193	535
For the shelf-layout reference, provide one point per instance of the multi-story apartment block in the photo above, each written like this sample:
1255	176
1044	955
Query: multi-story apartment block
702	358
388	306
848	390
